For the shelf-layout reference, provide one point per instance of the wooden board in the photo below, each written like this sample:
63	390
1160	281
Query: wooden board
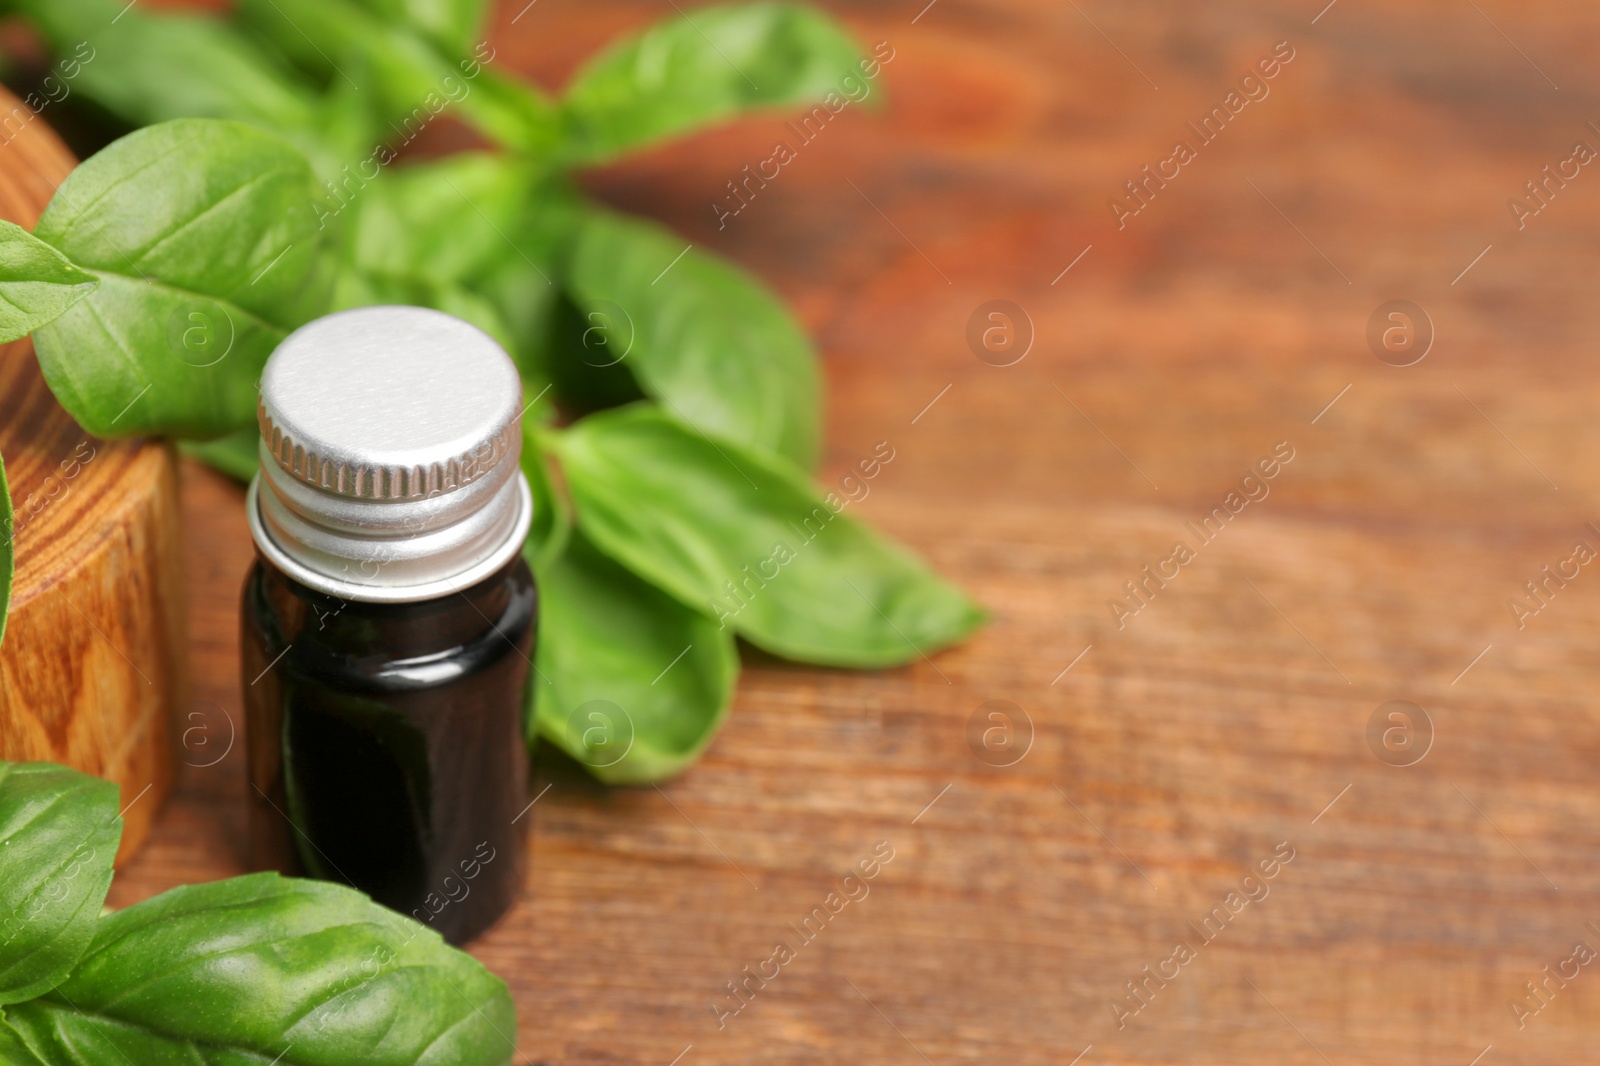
92	668
1231	714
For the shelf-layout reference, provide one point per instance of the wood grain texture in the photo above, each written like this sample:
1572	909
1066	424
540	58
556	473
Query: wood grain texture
92	667
1226	716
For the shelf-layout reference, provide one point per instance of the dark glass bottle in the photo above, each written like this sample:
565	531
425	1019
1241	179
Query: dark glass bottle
388	623
386	743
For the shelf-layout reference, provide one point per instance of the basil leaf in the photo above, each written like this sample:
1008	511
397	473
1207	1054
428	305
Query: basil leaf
353	289
694	68
525	298
150	68
203	238
512	113
454	25
631	683
586	355
742	536
460	218
493	224
404	74
59	831
7	551
714	345
235	455
552	514
37	283
263	969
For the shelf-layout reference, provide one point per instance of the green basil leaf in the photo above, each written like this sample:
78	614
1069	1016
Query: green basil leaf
454	25
512	113
8	559
714	345
263	969
552	514
525	297
150	68
203	238
59	831
696	67
37	283
493	224
406	77
323	39
586	356
459	218
742	536
348	134
235	455
631	683
354	289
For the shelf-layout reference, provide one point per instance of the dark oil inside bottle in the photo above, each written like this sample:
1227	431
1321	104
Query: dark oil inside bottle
386	742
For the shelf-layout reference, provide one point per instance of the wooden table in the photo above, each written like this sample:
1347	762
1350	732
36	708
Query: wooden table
1230	716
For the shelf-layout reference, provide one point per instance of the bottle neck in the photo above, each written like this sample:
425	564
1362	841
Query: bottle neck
389	551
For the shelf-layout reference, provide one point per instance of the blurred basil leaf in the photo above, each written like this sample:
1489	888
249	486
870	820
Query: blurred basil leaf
263	969
461	217
8	559
345	136
696	67
707	340
525	297
235	455
404	74
511	112
493	224
631	683
149	68
587	353
453	25
354	289
743	537
37	283
203	237
552	515
321	39
59	831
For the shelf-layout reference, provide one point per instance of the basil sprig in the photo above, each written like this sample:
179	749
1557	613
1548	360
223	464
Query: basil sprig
273	187
255	969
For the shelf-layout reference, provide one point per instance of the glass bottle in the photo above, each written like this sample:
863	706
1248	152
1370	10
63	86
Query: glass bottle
389	619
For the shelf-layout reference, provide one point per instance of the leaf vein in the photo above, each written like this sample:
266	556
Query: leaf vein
81	214
207	210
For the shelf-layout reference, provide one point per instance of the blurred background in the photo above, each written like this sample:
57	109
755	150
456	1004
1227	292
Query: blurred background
1081	342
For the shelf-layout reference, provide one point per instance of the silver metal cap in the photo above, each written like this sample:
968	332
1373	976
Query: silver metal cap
389	446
